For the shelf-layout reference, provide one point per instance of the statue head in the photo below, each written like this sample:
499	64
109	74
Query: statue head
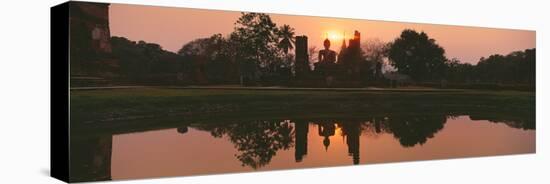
326	43
326	142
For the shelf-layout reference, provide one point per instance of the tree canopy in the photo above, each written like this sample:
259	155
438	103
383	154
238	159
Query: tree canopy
141	60
417	55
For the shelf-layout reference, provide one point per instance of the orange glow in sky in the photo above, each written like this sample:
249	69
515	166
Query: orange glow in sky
173	27
336	36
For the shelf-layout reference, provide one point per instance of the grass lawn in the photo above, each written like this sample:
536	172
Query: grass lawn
130	108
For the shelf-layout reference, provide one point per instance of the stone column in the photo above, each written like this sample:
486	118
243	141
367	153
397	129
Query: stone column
302	57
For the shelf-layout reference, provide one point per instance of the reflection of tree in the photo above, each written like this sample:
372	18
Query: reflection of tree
412	130
527	122
256	141
259	142
183	130
374	126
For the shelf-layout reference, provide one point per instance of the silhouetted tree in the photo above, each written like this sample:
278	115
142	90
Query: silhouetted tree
375	54
375	50
261	48
208	47
256	34
144	62
417	55
516	67
210	59
459	72
313	55
286	36
281	69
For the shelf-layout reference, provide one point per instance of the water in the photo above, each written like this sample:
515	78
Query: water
218	147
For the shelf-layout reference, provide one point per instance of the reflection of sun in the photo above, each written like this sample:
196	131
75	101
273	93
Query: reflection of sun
338	130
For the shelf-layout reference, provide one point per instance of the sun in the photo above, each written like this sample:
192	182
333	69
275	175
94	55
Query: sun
334	35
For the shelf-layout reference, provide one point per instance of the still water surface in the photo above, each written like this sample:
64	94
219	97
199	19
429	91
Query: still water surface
207	148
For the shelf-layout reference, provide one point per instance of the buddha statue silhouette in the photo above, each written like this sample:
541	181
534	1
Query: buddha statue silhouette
327	62
326	55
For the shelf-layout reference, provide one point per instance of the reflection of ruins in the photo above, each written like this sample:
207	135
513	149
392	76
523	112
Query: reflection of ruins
257	142
91	158
351	132
302	129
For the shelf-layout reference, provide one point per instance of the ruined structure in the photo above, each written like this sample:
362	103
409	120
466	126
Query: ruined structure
342	49
90	38
350	57
355	42
345	66
90	22
302	57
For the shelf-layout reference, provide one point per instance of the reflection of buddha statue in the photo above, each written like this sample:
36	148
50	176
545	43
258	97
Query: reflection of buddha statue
327	55
326	130
326	142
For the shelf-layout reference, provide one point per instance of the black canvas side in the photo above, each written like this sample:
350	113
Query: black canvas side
59	92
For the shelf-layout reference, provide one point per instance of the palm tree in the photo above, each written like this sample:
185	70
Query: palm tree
286	36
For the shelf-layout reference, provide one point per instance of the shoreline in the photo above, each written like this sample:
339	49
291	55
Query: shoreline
276	88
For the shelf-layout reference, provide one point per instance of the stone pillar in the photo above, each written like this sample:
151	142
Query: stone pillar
300	150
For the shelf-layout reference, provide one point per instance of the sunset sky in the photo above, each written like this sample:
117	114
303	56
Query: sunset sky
173	27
